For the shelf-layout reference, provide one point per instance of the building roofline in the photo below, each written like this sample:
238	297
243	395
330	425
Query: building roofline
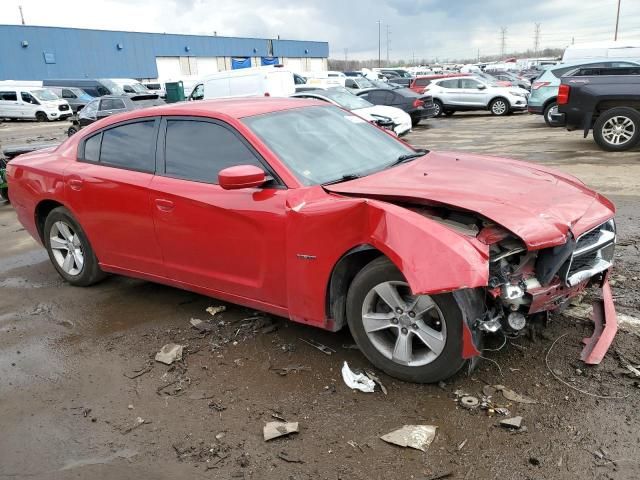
160	33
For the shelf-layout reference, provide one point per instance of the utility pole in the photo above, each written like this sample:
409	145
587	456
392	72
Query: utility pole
379	23
615	37
346	52
22	16
536	40
478	55
503	40
388	32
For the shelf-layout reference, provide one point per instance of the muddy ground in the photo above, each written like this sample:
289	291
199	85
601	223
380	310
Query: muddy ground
77	369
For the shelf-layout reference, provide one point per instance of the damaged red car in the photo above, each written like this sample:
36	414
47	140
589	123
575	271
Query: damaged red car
306	211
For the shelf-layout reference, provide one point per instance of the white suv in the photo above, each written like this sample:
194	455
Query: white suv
471	93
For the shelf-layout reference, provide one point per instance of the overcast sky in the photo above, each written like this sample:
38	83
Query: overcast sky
424	28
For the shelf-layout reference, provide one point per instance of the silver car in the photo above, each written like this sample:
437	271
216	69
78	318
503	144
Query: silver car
471	93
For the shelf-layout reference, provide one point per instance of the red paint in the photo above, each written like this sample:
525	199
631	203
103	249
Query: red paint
275	248
605	327
563	94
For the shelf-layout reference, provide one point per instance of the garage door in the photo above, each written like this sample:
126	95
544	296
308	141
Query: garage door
207	65
168	67
317	65
293	64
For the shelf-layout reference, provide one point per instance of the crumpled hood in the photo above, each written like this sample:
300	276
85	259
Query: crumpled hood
537	204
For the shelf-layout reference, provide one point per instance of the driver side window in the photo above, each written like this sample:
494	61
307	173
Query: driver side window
469	83
198	92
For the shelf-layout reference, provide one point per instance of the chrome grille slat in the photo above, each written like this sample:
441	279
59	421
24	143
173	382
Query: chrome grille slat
593	254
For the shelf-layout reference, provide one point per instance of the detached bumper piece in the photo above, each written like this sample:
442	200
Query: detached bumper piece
605	327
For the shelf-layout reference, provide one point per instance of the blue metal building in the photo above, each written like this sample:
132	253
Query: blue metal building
36	53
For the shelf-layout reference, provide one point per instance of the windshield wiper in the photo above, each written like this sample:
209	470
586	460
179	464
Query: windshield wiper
343	178
409	156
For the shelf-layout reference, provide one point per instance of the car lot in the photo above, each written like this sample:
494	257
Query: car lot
78	349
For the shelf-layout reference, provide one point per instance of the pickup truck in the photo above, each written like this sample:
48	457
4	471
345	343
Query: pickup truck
606	100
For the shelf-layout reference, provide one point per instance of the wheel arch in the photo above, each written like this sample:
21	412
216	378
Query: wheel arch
548	102
42	211
499	97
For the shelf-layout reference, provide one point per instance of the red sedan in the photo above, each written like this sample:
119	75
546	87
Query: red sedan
304	210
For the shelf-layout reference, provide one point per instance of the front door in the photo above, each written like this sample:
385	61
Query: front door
229	241
471	92
107	190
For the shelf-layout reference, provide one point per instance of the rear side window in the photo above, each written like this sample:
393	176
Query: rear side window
130	146
422	82
196	150
9	96
112	104
449	83
92	148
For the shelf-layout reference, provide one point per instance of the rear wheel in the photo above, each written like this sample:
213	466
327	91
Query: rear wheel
617	129
551	109
417	338
437	108
499	107
72	131
70	250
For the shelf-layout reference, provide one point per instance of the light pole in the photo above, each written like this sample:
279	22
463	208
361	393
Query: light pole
615	37
379	65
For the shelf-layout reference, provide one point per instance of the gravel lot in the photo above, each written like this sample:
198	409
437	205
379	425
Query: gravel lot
77	366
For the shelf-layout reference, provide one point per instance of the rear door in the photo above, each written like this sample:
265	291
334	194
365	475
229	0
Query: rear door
107	190
449	92
229	241
9	105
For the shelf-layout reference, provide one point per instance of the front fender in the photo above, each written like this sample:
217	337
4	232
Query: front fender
432	257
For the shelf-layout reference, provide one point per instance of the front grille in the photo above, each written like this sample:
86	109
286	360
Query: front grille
593	253
63	108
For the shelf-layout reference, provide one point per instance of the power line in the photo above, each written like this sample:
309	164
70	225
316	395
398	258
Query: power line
536	39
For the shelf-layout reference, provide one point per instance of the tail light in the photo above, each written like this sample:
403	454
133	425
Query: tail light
537	85
563	94
418	103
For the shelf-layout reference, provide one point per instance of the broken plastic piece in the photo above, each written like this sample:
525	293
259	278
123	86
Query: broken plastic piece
169	353
412	436
606	326
513	396
215	310
357	381
279	429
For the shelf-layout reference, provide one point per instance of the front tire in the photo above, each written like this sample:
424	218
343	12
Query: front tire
437	107
41	117
417	338
69	249
499	107
617	129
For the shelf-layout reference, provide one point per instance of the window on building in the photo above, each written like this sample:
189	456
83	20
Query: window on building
130	146
196	150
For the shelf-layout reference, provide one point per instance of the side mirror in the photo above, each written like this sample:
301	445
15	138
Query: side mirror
482	87
241	176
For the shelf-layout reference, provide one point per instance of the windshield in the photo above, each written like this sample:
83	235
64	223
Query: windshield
346	99
113	86
138	88
365	82
323	144
44	95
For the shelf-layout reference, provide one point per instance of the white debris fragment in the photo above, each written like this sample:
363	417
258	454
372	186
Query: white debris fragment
279	429
513	423
169	353
412	436
213	311
514	396
357	381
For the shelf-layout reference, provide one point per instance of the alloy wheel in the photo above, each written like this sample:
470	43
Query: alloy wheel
66	248
407	329
618	130
499	107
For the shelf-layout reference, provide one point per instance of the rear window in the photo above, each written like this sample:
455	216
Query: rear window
130	146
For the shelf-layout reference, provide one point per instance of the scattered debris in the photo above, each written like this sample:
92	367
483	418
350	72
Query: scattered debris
375	378
202	327
138	372
513	423
357	381
355	445
287	458
130	407
213	311
279	429
534	461
243	460
513	396
317	345
412	436
461	446
438	476
169	353
200	396
469	402
139	422
488	391
212	454
502	411
217	406
350	346
284	371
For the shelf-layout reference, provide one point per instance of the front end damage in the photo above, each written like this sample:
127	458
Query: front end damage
524	283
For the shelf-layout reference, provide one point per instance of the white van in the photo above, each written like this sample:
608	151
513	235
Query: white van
608	49
324	79
267	81
130	85
34	103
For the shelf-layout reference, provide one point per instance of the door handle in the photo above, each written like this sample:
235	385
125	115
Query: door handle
75	184
164	205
